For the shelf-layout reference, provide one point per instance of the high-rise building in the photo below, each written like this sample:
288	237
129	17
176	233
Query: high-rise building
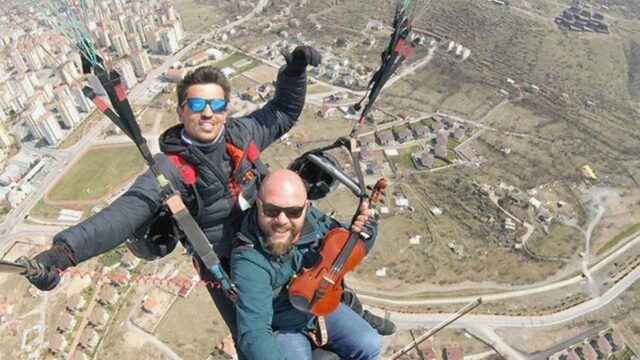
75	57
62	92
119	41
69	73
84	104
50	128
33	79
47	90
37	99
5	139
152	34
18	62
102	36
134	41
34	58
141	62
171	12
30	118
24	85
120	19
130	24
140	31
168	41
177	28
68	113
127	74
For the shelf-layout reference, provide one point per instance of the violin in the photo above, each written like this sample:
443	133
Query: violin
318	289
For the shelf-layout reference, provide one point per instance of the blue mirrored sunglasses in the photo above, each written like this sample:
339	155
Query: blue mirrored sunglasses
197	105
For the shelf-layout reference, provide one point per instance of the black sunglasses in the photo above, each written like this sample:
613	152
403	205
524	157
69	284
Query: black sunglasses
292	212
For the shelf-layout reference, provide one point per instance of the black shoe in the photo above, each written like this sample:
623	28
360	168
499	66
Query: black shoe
384	326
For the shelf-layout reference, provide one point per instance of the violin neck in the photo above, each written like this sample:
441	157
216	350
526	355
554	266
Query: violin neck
345	251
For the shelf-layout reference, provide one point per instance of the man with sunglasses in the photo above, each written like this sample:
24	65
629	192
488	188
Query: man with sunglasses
206	157
278	238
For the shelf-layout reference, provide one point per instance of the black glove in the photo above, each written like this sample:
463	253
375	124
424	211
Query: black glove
370	227
298	60
42	270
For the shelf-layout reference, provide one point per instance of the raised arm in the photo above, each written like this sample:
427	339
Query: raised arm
280	114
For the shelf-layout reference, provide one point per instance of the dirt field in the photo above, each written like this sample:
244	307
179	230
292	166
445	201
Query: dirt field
261	74
623	212
199	16
199	315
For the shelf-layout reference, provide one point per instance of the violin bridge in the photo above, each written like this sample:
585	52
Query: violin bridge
329	280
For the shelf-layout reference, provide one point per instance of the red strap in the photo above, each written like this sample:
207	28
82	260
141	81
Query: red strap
236	155
187	170
253	153
122	95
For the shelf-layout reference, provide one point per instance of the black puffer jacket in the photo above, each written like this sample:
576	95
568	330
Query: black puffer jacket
218	217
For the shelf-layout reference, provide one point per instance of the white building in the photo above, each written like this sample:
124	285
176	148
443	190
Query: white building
141	62
69	73
18	62
47	91
62	92
24	85
34	58
152	34
177	28
119	41
68	112
83	103
134	41
50	128
214	54
168	41
127	74
31	117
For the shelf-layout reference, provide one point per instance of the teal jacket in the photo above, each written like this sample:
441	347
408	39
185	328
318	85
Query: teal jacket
261	278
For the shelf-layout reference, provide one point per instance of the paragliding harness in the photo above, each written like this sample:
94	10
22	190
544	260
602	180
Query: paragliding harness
172	201
159	238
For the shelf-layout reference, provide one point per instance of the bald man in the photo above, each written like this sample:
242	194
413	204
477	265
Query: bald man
278	238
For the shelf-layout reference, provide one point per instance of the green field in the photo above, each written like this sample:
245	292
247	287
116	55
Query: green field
229	60
97	173
611	244
562	241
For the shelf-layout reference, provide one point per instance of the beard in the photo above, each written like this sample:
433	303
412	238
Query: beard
282	245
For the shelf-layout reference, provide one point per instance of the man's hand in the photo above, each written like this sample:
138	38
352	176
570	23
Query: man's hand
42	270
366	223
298	60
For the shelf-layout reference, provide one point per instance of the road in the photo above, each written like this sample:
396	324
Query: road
407	321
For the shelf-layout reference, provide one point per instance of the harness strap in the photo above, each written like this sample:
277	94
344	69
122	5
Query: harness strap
187	169
319	336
